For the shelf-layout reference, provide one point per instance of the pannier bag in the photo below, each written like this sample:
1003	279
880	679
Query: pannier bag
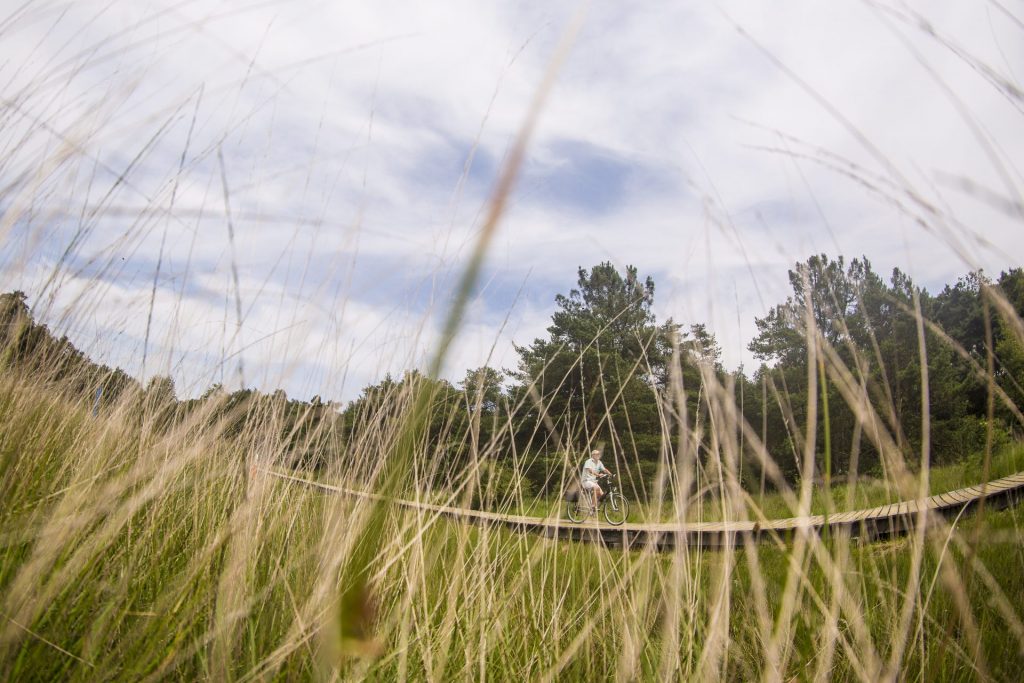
572	493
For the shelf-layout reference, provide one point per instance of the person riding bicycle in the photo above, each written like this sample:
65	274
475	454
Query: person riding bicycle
592	469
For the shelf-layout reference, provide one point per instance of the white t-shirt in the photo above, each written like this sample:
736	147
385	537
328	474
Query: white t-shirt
590	469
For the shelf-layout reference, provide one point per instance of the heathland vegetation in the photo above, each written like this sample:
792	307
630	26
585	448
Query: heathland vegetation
141	537
144	536
603	377
143	540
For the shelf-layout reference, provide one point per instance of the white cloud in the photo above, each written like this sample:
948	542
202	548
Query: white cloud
344	130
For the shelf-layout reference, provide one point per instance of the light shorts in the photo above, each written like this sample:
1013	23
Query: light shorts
589	485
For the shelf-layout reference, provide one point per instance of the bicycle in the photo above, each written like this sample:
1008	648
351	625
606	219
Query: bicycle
612	504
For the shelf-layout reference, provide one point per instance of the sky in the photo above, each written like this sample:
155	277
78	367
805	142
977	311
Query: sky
284	194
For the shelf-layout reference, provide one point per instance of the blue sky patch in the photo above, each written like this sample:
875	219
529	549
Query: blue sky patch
583	177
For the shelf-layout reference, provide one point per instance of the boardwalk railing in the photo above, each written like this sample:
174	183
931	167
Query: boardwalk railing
869	524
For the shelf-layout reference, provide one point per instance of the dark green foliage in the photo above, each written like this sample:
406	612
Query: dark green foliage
602	377
500	485
30	348
603	354
873	328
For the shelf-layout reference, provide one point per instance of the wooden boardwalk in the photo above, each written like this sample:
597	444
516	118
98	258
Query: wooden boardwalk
870	524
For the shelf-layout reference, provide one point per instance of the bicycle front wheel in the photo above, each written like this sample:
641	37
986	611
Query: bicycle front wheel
615	509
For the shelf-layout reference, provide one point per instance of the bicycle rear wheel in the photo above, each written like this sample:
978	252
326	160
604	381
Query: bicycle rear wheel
615	509
576	510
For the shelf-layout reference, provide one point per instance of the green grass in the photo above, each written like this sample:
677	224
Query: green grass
128	557
866	492
138	546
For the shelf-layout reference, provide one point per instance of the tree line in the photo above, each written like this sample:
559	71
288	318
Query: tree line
608	374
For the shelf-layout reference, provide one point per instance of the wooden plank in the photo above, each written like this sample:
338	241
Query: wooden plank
966	496
873	513
781	524
1004	490
957	498
958	501
946	501
897	516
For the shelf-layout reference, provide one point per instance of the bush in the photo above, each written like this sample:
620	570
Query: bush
500	485
955	440
545	473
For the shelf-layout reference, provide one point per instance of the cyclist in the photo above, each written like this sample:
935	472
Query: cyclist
592	469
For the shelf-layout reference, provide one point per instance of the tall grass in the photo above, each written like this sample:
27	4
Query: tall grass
132	558
137	548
